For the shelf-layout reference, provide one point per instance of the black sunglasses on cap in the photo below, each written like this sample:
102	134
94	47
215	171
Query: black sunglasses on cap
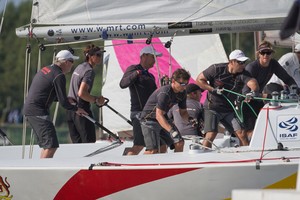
265	52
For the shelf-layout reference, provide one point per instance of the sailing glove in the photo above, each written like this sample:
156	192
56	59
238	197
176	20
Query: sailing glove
218	91
193	122
175	135
250	96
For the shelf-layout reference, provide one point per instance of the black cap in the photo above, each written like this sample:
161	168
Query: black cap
192	88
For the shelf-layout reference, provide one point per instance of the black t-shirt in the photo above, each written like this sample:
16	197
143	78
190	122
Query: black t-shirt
264	74
218	73
48	85
141	86
163	98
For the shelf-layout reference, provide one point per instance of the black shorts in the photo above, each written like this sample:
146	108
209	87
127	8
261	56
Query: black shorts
81	129
213	118
44	131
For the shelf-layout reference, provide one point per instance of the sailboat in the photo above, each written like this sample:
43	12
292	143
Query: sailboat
99	170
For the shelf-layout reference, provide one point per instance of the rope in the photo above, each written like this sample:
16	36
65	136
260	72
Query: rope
2	19
26	86
240	115
265	135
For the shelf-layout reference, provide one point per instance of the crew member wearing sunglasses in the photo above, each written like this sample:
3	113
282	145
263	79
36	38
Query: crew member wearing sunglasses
81	129
158	130
262	69
218	104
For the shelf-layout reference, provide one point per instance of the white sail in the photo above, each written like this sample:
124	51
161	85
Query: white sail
154	11
107	19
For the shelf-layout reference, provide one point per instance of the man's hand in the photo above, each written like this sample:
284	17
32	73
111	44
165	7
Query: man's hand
250	96
218	91
72	101
193	122
175	135
99	101
81	112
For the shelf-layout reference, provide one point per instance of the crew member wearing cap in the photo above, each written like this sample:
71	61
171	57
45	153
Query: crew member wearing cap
194	109
49	85
262	70
290	62
81	129
141	85
217	107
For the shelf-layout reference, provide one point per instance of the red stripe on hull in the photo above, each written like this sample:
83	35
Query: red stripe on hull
93	184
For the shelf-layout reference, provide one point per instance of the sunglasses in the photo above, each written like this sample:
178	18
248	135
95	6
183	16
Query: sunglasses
98	54
265	52
71	61
182	84
241	62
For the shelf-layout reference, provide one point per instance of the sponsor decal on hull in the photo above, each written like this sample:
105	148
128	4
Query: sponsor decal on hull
4	189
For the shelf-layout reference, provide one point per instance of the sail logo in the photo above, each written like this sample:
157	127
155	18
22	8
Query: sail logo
288	128
4	189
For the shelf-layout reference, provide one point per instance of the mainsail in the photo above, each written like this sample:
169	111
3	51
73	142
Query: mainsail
62	20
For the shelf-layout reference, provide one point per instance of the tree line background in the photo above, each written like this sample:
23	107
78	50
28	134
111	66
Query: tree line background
13	53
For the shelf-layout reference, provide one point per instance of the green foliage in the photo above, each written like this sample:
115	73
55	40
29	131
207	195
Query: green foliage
13	54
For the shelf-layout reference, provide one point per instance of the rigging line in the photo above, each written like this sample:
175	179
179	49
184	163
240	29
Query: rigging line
206	14
91	40
157	66
239	115
261	98
191	14
251	109
220	10
232	106
265	135
2	19
26	83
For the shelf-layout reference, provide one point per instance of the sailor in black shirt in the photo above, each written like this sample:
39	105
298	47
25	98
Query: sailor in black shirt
218	105
47	86
262	69
141	85
157	128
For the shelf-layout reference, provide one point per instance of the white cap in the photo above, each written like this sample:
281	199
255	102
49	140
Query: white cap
65	55
238	55
150	50
297	48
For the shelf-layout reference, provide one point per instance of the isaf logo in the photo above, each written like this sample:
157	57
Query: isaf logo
290	125
4	189
289	129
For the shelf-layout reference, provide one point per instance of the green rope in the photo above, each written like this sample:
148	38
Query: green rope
233	107
263	99
240	115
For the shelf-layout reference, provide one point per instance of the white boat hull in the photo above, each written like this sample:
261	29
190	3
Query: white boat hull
209	175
